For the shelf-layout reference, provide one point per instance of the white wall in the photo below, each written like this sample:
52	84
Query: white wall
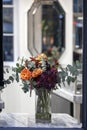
15	99
67	56
24	6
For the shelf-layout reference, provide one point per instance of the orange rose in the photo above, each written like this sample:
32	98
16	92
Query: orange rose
36	72
25	74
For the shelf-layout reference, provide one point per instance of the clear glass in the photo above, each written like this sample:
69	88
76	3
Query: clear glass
43	106
7	20
78	38
8	2
78	6
8	48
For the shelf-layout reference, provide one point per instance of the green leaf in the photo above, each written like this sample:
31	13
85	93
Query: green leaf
69	79
27	82
7	70
34	83
14	69
1	87
18	70
25	88
11	78
7	81
17	77
78	65
17	64
74	79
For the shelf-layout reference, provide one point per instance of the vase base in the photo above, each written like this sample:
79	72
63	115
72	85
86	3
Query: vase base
43	121
43	118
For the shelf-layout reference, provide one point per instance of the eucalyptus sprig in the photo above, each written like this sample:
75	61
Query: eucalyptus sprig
70	73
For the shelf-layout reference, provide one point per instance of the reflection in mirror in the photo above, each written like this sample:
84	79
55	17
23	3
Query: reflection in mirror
51	28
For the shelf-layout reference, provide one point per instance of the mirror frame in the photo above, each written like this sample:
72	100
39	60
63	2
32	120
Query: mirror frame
31	30
84	104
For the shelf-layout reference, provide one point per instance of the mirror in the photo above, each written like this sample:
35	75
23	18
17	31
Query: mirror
50	28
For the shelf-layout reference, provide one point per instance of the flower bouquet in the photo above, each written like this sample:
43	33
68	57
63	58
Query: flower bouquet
40	74
37	73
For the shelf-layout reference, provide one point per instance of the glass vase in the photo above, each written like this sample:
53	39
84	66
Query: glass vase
43	106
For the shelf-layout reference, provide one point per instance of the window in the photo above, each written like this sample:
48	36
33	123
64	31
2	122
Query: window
78	6
8	32
8	2
78	23
78	29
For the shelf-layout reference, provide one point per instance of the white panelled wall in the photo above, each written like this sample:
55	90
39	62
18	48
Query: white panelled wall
14	97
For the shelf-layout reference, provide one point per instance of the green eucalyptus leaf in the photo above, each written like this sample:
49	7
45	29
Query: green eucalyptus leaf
7	81
69	80
11	78
17	64
17	77
1	87
31	65
27	82
34	83
18	70
25	88
7	70
14	69
74	79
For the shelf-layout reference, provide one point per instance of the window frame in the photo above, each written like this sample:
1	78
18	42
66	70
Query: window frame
84	105
15	33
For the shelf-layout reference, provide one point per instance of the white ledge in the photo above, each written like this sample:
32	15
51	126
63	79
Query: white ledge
75	98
